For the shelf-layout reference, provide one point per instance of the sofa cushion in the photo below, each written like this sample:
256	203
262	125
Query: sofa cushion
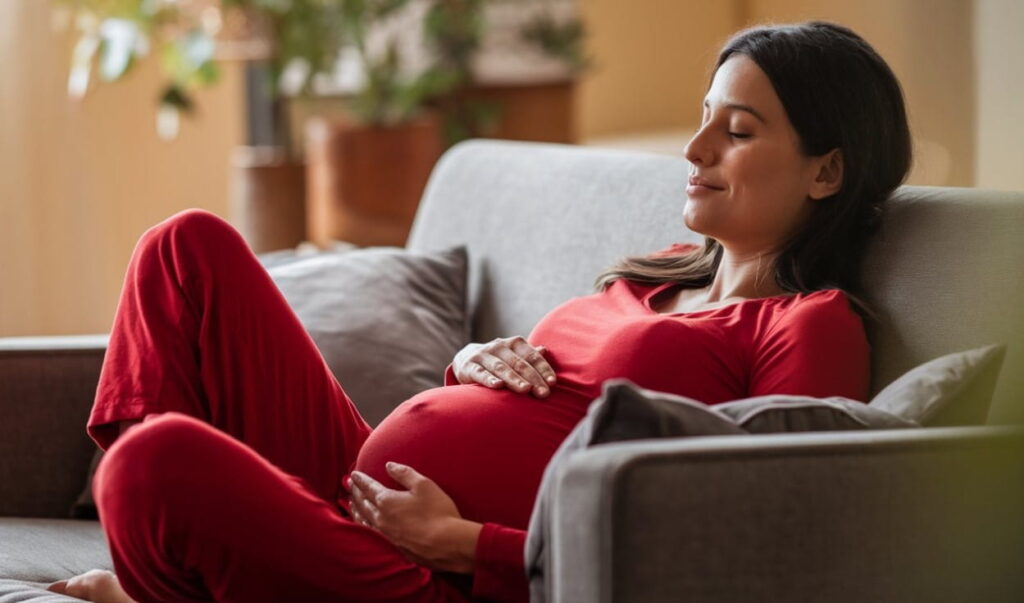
37	552
21	591
387	321
955	389
784	413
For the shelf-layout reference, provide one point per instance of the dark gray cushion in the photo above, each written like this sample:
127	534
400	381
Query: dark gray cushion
783	413
387	321
955	389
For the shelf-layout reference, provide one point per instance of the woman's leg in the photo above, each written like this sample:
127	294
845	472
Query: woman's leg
192	514
201	329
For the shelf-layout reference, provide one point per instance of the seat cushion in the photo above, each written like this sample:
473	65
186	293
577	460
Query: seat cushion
12	591
42	551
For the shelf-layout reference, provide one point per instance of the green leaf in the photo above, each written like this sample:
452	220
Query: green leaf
208	73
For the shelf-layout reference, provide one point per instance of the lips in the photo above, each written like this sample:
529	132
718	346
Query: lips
699	187
695	181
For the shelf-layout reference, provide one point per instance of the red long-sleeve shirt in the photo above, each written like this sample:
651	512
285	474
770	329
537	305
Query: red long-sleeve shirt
488	448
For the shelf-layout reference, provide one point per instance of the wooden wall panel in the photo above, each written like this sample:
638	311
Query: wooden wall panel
80	181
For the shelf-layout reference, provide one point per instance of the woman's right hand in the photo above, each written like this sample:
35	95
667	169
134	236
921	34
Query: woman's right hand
508	361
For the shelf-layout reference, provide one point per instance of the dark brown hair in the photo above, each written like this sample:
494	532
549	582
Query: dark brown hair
838	93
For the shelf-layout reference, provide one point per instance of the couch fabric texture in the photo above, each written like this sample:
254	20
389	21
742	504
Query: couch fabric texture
882	515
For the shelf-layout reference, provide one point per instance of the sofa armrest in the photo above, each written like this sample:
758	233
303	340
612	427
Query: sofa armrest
47	385
929	514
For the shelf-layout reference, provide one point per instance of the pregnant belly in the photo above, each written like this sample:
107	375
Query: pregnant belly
485	448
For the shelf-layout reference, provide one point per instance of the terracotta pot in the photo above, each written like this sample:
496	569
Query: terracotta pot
365	182
543	112
268	198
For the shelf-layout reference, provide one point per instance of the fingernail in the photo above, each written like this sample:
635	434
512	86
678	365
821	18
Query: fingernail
542	391
551	378
522	384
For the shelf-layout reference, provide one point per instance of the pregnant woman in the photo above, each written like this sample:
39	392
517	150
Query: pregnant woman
237	468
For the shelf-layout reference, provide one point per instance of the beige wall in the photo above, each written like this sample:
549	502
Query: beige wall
1000	94
929	46
79	182
652	62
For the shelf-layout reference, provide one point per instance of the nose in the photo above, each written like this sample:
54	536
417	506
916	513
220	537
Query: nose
698	151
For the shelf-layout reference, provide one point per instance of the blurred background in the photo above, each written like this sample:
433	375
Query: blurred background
315	120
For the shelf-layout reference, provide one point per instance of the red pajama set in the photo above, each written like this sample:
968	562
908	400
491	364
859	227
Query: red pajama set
232	488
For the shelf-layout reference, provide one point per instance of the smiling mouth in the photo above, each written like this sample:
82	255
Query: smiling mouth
697	189
696	182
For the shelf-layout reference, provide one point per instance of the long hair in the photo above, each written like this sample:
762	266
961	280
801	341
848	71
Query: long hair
838	93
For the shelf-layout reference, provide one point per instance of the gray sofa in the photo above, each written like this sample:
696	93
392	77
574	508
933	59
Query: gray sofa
934	514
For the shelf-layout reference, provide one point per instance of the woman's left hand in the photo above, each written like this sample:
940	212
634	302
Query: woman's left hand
422	520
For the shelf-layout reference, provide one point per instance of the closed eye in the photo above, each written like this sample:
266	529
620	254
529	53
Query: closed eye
738	135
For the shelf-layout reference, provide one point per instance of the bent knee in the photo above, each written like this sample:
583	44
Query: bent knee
196	227
153	456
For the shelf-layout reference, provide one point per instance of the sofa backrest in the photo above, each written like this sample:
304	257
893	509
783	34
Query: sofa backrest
541	220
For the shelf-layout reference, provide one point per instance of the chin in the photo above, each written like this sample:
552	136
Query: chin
691	221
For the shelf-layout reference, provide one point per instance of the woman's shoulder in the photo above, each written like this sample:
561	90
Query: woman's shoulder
824	308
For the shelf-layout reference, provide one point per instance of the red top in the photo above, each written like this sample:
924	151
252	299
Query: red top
488	448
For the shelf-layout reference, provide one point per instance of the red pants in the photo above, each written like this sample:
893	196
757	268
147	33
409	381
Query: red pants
232	491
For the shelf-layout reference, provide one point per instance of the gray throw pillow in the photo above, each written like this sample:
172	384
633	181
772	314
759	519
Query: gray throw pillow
387	321
784	413
955	389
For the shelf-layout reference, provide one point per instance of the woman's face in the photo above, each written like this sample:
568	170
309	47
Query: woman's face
761	188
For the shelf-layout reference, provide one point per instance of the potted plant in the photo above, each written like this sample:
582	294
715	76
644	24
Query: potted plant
366	171
191	39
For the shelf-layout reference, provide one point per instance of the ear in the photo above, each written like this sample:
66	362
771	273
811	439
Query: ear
829	177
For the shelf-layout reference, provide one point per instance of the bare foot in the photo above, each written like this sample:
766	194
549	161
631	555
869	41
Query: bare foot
96	585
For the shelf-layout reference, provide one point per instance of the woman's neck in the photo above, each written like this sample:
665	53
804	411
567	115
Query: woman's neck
744	276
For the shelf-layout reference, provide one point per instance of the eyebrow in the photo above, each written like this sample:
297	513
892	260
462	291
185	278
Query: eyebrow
741	107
